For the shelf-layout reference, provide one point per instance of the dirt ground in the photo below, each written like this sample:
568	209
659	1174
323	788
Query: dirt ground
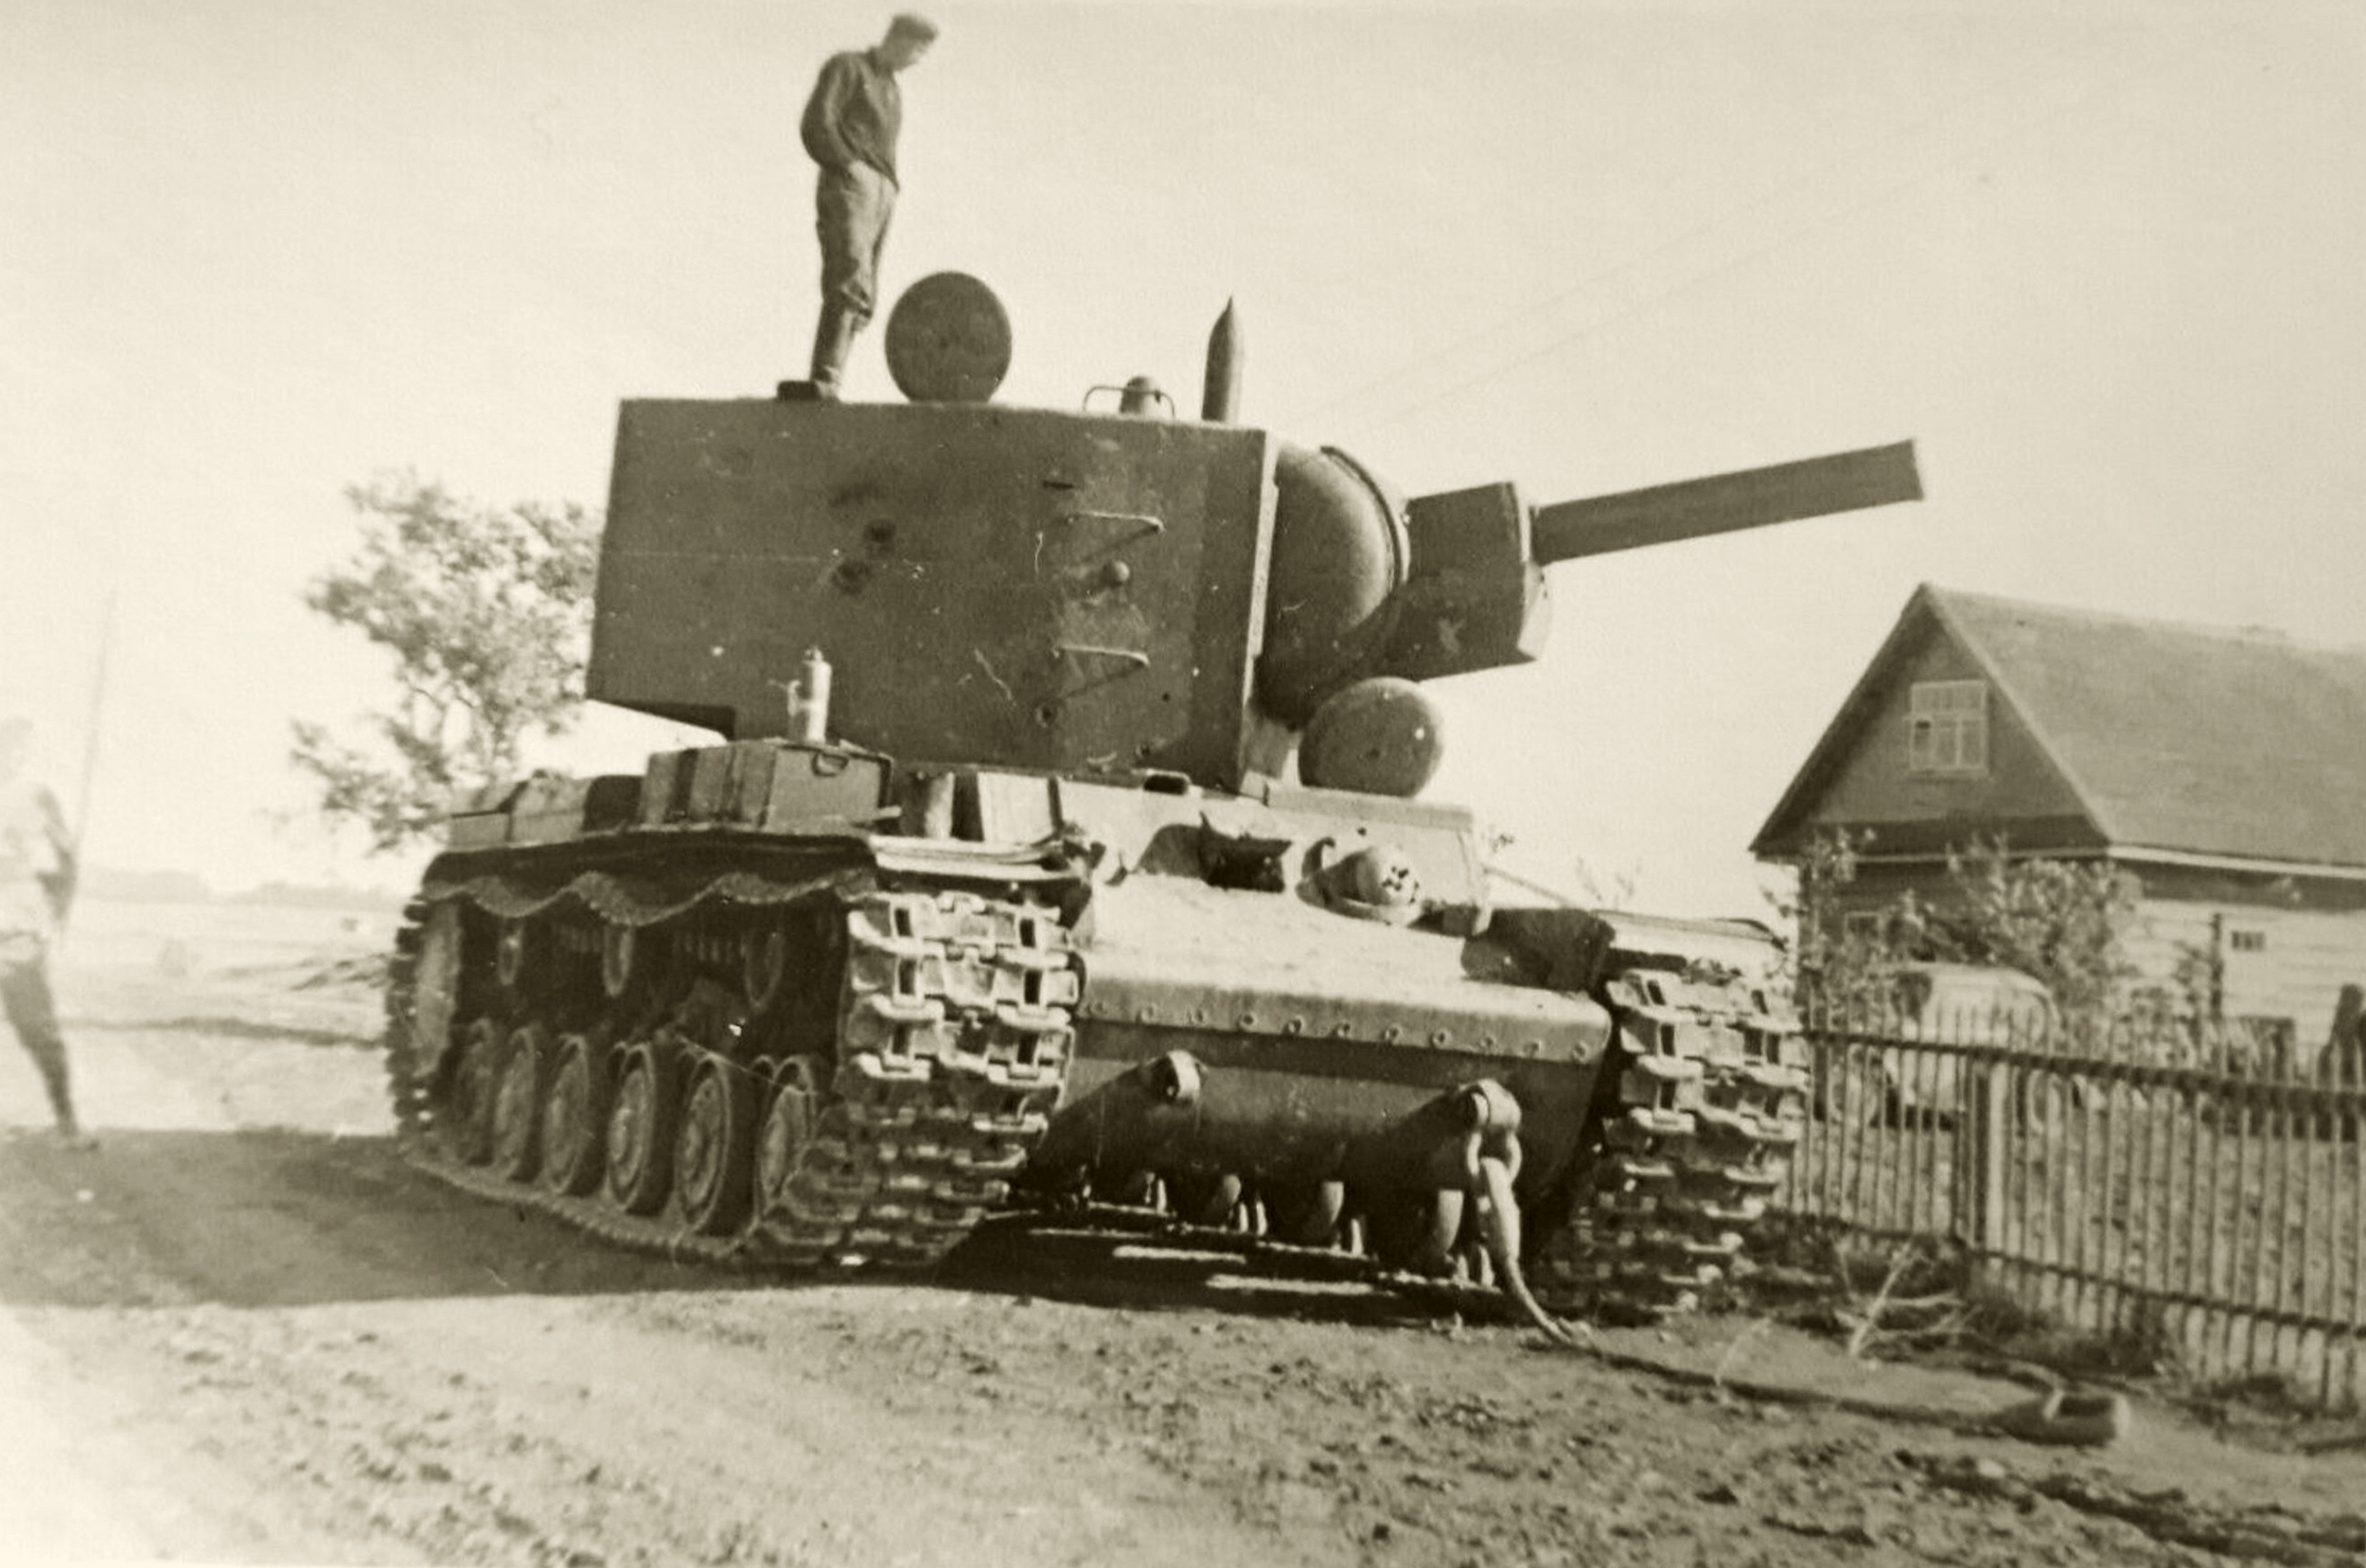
243	1330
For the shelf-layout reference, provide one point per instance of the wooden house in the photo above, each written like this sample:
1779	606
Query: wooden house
2226	769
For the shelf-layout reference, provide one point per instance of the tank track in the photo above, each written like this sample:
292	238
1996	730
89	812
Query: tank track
1708	1098
949	1050
955	1043
935	1075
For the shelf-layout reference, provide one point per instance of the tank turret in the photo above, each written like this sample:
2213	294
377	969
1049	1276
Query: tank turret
1096	592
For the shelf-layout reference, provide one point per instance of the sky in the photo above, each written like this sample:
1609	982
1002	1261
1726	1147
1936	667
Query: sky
2104	264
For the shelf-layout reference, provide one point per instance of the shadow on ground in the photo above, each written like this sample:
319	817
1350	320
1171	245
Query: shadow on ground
280	1218
1134	1274
275	1218
230	1027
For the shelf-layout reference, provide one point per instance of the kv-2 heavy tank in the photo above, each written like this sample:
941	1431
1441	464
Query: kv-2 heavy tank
1060	849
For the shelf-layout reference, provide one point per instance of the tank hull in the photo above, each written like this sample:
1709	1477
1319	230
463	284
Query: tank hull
744	1009
1314	1040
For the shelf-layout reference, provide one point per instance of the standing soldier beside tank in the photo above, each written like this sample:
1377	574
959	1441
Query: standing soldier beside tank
36	886
850	128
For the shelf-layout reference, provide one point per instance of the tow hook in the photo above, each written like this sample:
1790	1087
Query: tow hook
1173	1078
1490	1157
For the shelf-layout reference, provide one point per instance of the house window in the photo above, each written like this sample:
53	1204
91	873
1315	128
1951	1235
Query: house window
2247	941
1946	727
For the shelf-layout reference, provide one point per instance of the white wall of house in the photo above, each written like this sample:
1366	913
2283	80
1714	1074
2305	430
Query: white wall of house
2281	961
2278	962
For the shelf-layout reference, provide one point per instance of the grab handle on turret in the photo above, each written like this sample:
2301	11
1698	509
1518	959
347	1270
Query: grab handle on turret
1721	503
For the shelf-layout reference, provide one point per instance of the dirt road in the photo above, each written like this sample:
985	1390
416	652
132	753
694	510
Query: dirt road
243	1330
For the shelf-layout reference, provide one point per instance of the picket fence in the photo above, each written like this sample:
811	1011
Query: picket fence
2205	1199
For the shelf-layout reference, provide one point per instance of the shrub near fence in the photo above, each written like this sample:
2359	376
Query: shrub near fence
2202	1200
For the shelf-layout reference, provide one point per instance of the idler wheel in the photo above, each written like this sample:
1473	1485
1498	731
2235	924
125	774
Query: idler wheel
518	1102
434	988
715	1149
574	1116
640	1131
466	1124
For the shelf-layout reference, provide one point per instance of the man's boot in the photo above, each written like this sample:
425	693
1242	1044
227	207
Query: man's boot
833	341
55	1078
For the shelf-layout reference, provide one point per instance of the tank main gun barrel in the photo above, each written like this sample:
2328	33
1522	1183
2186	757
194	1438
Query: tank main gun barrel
1722	503
1469	572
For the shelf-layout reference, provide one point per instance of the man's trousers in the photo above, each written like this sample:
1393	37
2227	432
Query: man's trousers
25	995
852	208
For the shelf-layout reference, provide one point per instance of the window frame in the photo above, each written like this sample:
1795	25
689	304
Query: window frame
1946	729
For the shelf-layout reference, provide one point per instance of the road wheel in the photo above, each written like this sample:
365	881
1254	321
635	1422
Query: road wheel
574	1117
640	1131
715	1149
1308	1215
518	1102
1416	1233
1201	1200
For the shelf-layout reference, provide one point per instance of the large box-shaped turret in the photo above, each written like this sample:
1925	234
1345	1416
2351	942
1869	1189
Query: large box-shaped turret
1023	588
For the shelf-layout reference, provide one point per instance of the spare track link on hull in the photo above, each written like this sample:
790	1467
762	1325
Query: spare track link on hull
1710	1097
887	1145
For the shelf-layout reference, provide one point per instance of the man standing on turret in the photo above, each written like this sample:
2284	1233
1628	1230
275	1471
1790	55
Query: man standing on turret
850	128
36	886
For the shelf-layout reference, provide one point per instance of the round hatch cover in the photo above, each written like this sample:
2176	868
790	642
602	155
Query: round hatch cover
948	341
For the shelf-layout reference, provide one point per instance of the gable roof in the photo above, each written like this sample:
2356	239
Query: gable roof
2193	740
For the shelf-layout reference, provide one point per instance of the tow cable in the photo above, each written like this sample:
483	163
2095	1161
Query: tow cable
1499	1224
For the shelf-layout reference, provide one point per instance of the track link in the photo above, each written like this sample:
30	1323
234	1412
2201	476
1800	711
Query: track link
951	1045
955	1040
1710	1098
